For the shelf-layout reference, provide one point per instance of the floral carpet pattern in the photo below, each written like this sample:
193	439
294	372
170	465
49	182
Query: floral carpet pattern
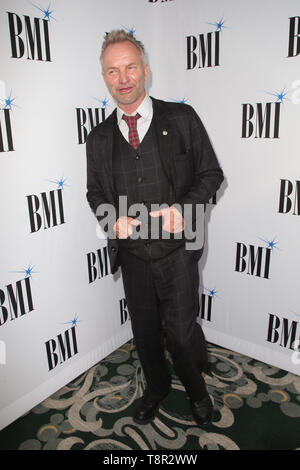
256	406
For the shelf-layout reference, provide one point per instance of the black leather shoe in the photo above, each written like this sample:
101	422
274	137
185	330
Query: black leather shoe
202	411
147	407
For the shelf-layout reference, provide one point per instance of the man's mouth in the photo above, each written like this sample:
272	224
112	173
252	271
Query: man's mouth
124	90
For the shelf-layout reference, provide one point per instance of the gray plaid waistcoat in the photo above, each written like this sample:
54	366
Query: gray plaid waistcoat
139	175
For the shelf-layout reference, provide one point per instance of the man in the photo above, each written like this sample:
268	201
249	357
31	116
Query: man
161	154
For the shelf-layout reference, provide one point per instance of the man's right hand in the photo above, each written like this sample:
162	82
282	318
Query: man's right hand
123	227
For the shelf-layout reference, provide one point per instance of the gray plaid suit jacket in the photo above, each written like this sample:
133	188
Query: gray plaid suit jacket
187	156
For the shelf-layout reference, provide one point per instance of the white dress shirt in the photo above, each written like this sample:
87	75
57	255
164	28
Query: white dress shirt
145	110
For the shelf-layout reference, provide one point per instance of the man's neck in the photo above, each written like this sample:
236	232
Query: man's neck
131	108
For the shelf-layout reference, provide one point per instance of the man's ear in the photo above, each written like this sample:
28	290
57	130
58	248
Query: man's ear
104	77
146	72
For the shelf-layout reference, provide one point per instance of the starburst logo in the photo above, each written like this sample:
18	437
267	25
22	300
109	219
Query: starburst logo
27	271
219	24
182	100
61	183
9	102
104	102
271	244
129	30
211	292
280	95
46	11
73	322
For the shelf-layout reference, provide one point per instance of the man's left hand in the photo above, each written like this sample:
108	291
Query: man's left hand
173	220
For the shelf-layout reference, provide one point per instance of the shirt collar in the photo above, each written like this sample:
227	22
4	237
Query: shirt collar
144	109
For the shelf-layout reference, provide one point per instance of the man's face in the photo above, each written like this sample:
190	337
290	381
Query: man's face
125	74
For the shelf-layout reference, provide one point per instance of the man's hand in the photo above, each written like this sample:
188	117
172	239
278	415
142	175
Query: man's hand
123	226
173	220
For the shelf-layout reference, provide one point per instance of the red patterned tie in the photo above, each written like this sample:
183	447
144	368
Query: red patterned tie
133	135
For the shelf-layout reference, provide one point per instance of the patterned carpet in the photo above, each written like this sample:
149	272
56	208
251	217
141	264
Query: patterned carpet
256	407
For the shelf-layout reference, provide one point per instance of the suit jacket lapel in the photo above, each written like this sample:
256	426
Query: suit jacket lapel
107	132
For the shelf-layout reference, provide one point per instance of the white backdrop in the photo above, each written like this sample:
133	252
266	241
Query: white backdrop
61	310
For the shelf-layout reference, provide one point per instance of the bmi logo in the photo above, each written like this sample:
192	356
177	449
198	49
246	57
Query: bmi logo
63	347
88	118
289	197
124	314
6	134
204	50
98	264
29	37
16	299
261	120
294	36
283	331
254	260
206	303
46	210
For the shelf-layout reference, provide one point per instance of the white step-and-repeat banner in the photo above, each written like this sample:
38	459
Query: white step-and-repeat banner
238	64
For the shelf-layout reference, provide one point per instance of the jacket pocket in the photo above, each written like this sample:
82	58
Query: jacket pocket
181	156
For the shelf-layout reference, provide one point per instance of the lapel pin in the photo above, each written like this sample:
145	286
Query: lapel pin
165	132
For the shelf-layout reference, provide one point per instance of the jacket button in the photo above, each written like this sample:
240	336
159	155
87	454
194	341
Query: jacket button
137	157
140	179
113	248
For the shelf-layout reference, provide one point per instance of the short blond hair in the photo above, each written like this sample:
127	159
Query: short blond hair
120	35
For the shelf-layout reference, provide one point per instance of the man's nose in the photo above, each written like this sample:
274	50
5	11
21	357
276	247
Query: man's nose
123	77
